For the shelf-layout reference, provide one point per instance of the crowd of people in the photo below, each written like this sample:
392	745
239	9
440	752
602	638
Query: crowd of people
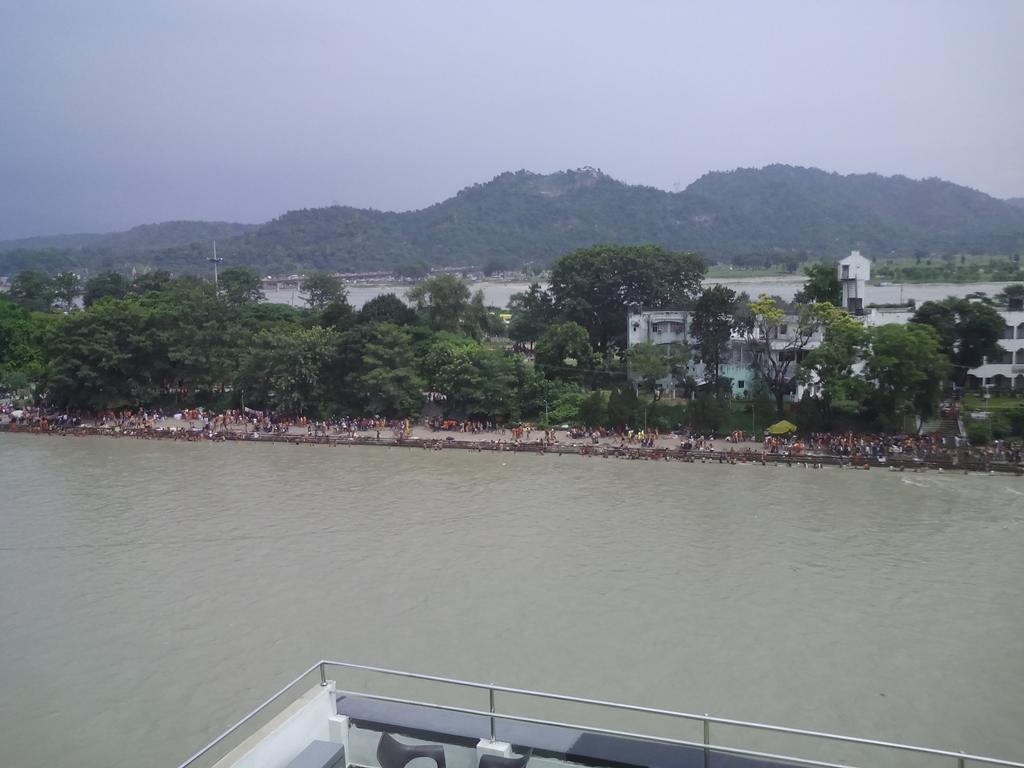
197	423
884	447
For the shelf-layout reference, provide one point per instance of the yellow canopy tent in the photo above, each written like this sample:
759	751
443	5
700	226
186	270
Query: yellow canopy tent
781	428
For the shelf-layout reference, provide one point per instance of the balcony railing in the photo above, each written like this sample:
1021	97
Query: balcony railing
951	759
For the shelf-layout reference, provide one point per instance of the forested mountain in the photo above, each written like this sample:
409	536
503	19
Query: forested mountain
526	217
143	237
1016	202
809	209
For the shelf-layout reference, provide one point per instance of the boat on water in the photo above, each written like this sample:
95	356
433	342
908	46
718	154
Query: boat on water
314	722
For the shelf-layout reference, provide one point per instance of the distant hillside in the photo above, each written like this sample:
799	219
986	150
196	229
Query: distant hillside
808	209
1016	202
143	237
526	217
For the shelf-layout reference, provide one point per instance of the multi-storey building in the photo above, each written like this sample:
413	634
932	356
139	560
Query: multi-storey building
672	326
1007	371
666	326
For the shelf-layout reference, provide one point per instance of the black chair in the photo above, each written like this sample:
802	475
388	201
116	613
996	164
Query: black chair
493	761
392	753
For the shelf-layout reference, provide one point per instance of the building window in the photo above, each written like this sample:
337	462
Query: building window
783	330
739	384
669	326
1008	332
846	271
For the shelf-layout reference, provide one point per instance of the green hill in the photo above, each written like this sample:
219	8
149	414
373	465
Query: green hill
527	217
809	209
143	237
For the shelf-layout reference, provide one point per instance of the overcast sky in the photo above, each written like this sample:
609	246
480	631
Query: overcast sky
120	112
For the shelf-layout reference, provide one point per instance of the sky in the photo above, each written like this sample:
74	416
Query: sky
115	113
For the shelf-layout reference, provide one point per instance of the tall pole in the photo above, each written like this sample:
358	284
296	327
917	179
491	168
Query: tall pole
215	261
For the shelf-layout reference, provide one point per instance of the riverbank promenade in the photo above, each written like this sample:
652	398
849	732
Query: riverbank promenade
541	443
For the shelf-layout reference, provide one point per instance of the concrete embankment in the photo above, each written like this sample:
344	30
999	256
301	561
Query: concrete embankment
743	455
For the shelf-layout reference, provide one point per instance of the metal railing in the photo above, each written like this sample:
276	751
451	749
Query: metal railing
491	713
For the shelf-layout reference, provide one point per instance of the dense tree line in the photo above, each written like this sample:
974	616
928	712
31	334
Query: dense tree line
159	340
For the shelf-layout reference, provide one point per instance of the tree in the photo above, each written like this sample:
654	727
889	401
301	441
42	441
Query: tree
532	314
624	407
777	353
388	383
565	409
322	289
151	282
33	290
714	320
908	369
845	342
1010	292
762	406
650	363
387	308
968	331
564	352
822	286
707	414
594	286
289	370
20	354
241	285
66	288
443	300
790	262
105	284
338	314
979	328
477	320
107	357
254	318
496	264
201	341
594	409
475	380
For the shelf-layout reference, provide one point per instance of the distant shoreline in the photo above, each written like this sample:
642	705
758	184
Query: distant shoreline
742	454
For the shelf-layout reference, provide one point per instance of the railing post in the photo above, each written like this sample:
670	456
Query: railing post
707	740
960	760
494	733
323	674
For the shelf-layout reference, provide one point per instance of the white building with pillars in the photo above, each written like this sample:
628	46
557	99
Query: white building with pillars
1007	371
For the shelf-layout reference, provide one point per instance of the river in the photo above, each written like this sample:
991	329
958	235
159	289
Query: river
153	592
497	294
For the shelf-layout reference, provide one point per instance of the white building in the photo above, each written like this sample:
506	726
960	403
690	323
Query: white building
672	326
663	327
854	272
1007	371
